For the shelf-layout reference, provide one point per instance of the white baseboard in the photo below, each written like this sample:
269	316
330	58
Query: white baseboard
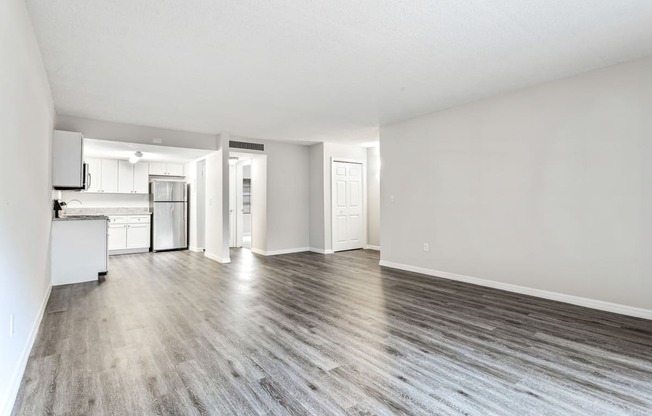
217	258
277	252
17	377
195	249
370	247
560	297
321	250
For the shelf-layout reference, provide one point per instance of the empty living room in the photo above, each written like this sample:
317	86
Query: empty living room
301	207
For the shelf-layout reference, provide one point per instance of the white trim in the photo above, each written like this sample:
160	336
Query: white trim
363	183
370	247
195	249
217	258
19	371
560	297
321	250
278	252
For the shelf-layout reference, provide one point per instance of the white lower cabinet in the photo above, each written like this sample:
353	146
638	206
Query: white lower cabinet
137	235
117	236
129	234
78	250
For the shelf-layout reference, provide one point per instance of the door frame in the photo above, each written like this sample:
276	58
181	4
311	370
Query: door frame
364	199
200	201
233	206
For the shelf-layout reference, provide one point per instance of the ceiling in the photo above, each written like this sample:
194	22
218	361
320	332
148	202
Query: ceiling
107	149
314	71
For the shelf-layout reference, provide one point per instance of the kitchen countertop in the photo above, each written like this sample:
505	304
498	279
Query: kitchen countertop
81	218
107	211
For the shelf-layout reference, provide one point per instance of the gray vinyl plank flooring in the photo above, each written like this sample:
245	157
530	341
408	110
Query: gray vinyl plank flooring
174	333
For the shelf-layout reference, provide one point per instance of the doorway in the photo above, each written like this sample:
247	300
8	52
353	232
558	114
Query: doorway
240	212
348	206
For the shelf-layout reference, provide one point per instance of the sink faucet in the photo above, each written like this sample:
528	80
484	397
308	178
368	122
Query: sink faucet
80	203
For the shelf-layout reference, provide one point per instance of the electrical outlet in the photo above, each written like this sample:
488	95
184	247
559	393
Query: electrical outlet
157	141
426	247
11	325
392	199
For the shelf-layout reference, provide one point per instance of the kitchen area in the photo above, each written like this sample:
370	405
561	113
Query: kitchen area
114	198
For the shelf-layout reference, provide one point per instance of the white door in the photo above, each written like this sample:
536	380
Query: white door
232	206
125	177
347	192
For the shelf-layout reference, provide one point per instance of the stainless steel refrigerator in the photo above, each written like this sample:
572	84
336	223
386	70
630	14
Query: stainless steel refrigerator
169	204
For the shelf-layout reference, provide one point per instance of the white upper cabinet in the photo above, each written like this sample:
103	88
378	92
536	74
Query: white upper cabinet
67	155
175	169
166	169
133	178
125	177
109	175
94	169
157	168
141	178
103	175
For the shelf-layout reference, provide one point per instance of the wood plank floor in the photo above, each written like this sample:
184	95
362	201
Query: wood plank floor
175	333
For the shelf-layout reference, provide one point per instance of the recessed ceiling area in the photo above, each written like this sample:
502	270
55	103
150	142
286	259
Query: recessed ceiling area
151	153
317	71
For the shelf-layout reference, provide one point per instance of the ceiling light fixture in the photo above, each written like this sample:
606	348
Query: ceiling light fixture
136	157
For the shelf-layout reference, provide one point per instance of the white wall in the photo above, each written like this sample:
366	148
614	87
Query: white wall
285	198
259	204
26	119
547	188
317	238
288	205
214	223
373	196
190	172
132	133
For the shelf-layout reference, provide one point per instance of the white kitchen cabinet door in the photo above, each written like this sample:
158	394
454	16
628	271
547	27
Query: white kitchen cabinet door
117	236
157	168
137	235
95	167
109	176
125	177
174	169
67	155
141	178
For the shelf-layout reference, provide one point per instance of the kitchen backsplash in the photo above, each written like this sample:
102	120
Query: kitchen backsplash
93	200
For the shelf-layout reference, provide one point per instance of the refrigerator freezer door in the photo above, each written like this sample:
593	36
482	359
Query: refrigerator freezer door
169	227
168	191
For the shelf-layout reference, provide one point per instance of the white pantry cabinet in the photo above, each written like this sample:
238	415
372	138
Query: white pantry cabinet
165	169
133	178
104	175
